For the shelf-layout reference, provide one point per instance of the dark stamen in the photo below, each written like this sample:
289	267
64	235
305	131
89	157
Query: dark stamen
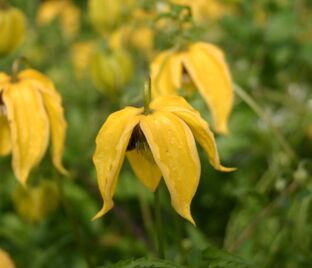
137	141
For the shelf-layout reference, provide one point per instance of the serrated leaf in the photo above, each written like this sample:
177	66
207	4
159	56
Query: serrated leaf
144	263
213	257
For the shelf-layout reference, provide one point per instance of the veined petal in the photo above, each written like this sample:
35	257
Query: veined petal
29	127
39	80
166	73
145	168
165	102
206	65
53	106
5	137
111	146
4	78
200	128
174	151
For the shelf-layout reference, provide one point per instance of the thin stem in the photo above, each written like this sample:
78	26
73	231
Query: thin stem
159	225
147	96
73	223
259	111
16	66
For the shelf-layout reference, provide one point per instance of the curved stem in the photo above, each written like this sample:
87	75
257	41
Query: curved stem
159	225
147	96
259	111
73	223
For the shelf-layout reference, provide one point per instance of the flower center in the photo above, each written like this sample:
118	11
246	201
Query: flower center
138	141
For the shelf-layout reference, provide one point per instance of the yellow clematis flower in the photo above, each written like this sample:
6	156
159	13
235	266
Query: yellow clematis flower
160	143
5	260
30	108
205	10
203	65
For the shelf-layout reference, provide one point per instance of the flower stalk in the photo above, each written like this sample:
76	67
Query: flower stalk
159	225
147	96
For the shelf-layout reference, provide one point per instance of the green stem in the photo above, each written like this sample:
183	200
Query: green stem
74	224
147	96
259	111
159	225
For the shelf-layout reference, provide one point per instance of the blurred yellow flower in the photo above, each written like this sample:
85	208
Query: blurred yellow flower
36	203
81	54
13	28
158	143
205	10
5	260
65	10
111	71
139	37
30	108
203	66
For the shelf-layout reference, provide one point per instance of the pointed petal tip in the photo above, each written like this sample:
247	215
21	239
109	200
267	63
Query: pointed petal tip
103	211
227	169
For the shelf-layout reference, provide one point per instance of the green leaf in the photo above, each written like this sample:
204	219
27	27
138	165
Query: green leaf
144	263
213	257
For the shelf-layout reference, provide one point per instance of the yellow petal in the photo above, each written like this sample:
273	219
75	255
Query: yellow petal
4	78
175	153
5	138
166	74
111	146
200	128
5	260
29	127
206	65
145	168
53	105
40	81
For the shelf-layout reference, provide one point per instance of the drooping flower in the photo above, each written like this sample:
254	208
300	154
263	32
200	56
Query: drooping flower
200	66
64	10
30	108
5	260
13	29
159	143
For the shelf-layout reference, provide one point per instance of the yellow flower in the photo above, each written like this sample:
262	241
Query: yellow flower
205	10
157	144
204	66
13	29
5	260
65	10
36	203
30	108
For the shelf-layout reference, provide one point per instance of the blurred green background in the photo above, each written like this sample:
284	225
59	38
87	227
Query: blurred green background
261	213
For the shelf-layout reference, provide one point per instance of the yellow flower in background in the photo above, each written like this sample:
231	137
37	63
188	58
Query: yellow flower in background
140	37
203	66
65	10
36	203
205	10
81	54
160	143
5	260
30	109
12	29
111	71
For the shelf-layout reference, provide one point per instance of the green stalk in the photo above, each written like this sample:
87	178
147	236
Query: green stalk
159	225
259	111
73	222
147	96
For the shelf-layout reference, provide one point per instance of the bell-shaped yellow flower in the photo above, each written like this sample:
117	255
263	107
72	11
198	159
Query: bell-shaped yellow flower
30	108
204	66
5	260
160	143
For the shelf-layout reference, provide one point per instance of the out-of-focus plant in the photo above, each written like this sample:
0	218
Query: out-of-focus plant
13	28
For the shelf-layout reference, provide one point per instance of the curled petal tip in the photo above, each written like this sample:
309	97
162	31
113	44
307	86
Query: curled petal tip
103	210
227	169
